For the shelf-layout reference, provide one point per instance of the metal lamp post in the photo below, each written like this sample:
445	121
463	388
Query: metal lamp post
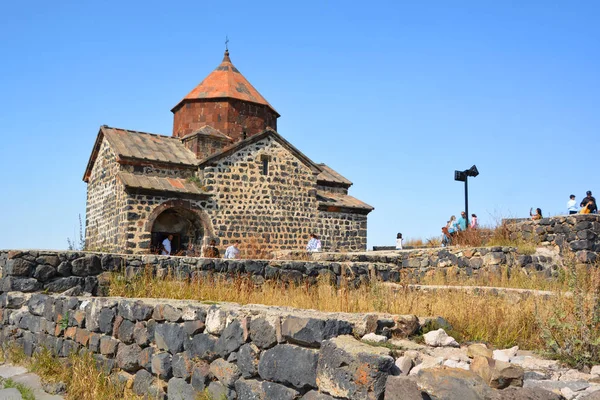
462	177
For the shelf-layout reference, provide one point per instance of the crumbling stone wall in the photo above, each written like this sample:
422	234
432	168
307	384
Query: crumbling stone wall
578	233
31	270
105	204
181	348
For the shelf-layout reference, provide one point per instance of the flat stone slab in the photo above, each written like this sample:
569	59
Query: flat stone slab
10	394
575	386
8	371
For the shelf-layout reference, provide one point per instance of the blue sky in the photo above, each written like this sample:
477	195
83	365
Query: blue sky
393	95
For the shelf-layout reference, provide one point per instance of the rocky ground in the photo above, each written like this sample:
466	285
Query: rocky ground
20	375
441	369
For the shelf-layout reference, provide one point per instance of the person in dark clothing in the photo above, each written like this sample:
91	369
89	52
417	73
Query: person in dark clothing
211	251
587	199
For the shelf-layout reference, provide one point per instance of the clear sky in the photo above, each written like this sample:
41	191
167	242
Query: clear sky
393	95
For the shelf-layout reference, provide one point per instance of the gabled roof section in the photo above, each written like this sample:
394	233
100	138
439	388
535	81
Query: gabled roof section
226	82
329	177
208	130
143	146
255	138
337	202
161	184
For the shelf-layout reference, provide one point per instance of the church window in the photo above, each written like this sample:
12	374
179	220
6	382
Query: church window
265	164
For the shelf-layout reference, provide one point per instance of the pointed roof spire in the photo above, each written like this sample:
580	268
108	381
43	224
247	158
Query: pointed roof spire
226	82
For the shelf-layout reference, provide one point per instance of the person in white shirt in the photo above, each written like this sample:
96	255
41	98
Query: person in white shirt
233	251
314	244
572	205
166	246
399	241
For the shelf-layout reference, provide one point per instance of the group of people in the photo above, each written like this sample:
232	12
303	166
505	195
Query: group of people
587	206
454	226
210	251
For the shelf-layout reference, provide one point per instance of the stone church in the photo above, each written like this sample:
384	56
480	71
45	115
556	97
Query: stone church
224	174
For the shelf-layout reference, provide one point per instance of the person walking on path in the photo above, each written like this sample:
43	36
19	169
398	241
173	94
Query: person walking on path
314	244
572	205
166	245
233	251
589	199
399	241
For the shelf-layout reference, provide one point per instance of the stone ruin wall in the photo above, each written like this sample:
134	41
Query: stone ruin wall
56	272
578	234
105	203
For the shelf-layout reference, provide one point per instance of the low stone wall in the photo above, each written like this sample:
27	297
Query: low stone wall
56	272
578	233
180	348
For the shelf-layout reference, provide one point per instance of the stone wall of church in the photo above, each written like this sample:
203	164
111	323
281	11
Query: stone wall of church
105	203
273	211
341	231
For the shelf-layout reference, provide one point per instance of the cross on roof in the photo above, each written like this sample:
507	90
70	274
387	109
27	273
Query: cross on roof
226	42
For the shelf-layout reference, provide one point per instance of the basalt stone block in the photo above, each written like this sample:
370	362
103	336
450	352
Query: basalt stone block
253	389
193	327
254	267
128	357
142	382
314	395
94	342
271	272
135	311
262	333
216	390
182	365
26	285
230	340
167	312
106	365
312	331
145	358
349	368
125	332
59	285
44	272
179	389
36	304
49	259
247	360
169	337
201	346
200	375
106	318
64	269
19	267
87	266
300	366
161	365
140	334
227	373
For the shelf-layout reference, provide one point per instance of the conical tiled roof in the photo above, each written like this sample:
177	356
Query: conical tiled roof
226	82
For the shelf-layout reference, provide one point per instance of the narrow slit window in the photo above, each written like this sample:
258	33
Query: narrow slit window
265	164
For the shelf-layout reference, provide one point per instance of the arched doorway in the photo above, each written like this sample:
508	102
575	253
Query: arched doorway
185	226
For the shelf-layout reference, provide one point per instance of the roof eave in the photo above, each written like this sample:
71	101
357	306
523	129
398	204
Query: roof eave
200	99
93	156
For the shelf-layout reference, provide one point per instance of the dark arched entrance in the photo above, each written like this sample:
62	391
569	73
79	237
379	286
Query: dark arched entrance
185	226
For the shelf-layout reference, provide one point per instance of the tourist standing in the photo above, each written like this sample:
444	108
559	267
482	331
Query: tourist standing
233	251
166	245
589	199
452	225
314	244
572	205
462	221
474	222
399	241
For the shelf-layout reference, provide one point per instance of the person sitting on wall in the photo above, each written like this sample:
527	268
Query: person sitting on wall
166	245
233	251
587	209
399	241
589	199
211	250
535	215
314	244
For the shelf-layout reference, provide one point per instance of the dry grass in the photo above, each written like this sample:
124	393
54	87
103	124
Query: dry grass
493	319
83	378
